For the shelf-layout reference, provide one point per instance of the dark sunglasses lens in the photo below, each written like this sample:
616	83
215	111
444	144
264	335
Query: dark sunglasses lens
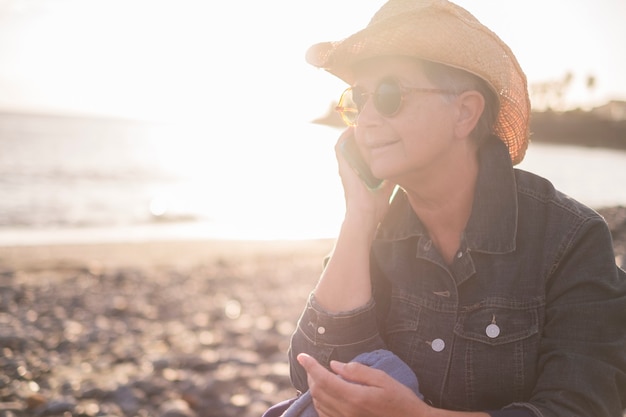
359	97
388	97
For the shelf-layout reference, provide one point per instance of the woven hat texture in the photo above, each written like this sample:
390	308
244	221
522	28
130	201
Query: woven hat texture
442	32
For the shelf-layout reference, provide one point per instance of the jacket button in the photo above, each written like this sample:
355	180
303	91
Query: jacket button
321	330
492	331
438	345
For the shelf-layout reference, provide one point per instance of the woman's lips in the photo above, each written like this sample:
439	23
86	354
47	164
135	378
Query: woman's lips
372	146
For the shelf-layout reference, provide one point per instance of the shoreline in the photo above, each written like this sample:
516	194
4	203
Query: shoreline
155	254
176	232
147	232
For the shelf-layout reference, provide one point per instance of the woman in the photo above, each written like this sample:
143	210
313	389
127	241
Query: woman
499	292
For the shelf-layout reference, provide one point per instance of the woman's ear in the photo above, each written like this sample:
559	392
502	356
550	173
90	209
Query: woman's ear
470	107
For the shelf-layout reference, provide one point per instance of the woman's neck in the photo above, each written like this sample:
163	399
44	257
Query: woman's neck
444	205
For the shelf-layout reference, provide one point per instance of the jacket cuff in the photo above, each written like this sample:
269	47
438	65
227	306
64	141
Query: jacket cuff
338	329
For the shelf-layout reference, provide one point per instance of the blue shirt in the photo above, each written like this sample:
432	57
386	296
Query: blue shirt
530	315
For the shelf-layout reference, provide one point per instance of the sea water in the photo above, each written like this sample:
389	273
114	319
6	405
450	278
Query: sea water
67	179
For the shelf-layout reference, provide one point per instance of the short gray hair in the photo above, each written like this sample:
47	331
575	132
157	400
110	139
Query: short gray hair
458	81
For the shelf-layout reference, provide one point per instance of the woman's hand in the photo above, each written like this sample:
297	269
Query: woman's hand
367	205
345	282
357	390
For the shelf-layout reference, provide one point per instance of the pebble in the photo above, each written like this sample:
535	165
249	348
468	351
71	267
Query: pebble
142	342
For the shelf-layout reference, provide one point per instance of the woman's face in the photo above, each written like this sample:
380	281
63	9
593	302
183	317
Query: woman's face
419	139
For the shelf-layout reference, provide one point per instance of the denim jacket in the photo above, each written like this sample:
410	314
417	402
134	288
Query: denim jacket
530	314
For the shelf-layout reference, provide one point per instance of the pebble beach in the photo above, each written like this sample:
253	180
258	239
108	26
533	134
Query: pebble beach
164	329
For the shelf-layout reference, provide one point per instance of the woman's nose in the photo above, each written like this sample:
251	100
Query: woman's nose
368	114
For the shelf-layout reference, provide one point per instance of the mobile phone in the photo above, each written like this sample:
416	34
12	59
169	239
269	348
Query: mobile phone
351	152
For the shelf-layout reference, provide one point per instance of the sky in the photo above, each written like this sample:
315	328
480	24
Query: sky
179	59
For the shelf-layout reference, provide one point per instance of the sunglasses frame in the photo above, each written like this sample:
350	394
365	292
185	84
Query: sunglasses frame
404	91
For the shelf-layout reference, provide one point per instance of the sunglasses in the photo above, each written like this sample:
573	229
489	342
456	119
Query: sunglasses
387	99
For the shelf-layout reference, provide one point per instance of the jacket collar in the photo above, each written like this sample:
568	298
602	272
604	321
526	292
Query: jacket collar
492	225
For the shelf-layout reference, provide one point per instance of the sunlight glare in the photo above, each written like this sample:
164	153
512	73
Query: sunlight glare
229	86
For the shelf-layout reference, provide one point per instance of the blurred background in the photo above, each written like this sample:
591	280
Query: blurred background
136	120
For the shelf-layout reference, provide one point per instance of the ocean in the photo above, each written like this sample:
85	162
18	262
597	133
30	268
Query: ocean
71	180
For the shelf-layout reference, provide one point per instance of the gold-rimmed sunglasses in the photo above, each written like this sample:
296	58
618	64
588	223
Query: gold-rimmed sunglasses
387	99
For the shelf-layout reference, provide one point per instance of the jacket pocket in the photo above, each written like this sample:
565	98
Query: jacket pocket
498	322
497	350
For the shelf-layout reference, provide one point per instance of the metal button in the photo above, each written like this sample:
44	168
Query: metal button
321	330
438	345
459	254
492	331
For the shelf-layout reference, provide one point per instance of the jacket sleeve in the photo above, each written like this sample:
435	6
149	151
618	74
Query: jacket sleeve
327	337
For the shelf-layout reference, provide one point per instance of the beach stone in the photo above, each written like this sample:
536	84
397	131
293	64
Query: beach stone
176	408
95	393
127	399
88	409
35	401
59	408
152	387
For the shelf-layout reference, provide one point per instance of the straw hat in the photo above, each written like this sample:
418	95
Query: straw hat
439	31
